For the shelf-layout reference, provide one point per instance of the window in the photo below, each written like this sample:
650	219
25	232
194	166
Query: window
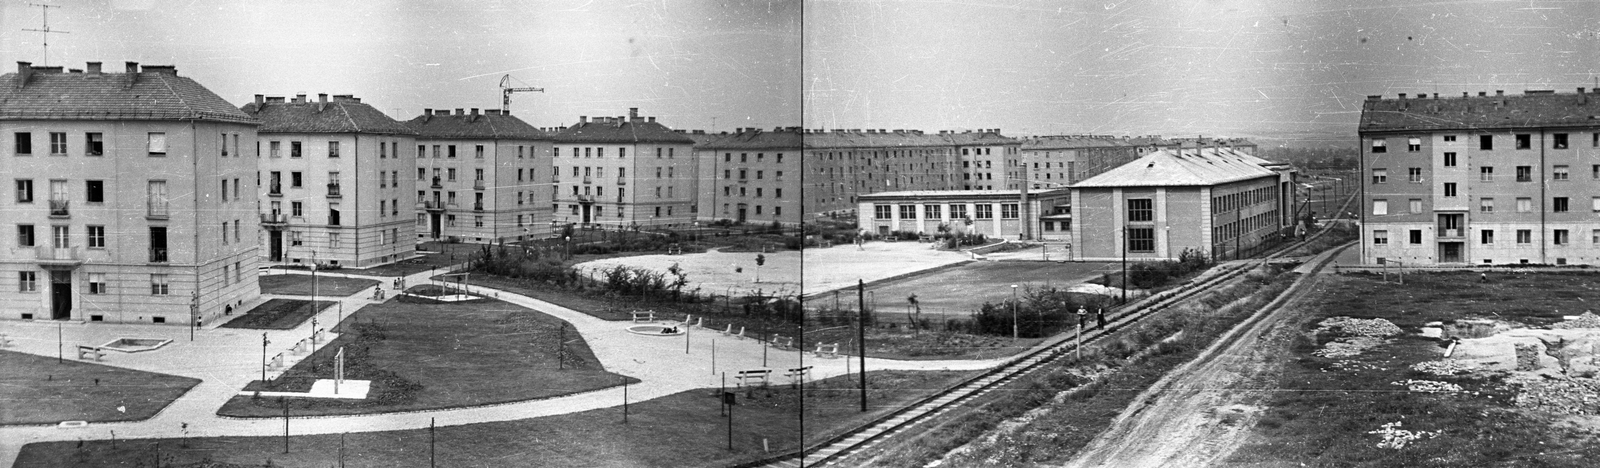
28	281
1380	176
1379	145
622	153
333	149
1594	236
478	152
1595	171
295	179
1524	173
159	285
276	149
908	212
1380	207
1449	189
1524	236
1414	174
451	174
1560	172
58	143
1008	210
25	235
156	143
1414	205
1141	240
1416	236
97	237
1486	174
24	190
984	211
1449	159
24	143
1449	138
334	240
94	144
928	211
1486	236
1524	205
1413	145
1558	141
451	152
383	207
1486	205
1596	202
958	211
97	283
1559	205
1486	142
1141	209
294	149
1380	237
1561	237
777	193
294	239
296	209
1524	141
333	215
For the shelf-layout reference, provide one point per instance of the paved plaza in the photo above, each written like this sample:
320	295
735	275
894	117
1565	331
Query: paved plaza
823	269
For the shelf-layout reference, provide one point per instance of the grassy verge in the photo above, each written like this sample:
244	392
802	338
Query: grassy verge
278	314
683	429
300	285
420	354
1326	408
446	254
39	390
1066	409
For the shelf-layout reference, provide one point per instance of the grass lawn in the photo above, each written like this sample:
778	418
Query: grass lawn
38	390
1322	413
300	285
278	314
447	254
683	429
424	355
979	282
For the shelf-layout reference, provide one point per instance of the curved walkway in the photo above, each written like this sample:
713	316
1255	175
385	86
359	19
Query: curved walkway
227	359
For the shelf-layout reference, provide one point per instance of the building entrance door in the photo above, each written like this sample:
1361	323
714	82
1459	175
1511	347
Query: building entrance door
1450	252
275	246
742	210
60	295
433	224
587	210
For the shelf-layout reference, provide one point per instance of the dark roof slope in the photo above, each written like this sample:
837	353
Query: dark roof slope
757	139
855	138
492	125
341	115
620	130
157	93
983	137
1532	109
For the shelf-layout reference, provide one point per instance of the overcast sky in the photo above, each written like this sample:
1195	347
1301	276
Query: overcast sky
1264	69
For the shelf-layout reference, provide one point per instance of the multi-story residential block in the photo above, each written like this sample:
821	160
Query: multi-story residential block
132	198
751	176
622	172
1058	161
1501	179
985	154
480	177
1218	201
840	165
335	189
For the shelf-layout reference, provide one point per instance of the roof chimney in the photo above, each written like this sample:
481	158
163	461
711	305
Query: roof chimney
460	111
94	68
652	119
1463	94
474	111
1402	95
24	71
322	101
583	119
261	99
300	98
1499	92
633	113
133	67
163	69
1482	93
427	114
1582	98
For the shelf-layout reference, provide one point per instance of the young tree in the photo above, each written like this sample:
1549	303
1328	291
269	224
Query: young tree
761	259
679	280
917	307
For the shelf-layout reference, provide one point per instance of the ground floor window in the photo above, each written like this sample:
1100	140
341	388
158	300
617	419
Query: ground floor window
1141	240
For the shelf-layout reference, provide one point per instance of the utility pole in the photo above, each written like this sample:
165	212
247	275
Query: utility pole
861	335
264	343
45	31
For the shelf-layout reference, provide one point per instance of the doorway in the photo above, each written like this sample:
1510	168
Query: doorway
433	225
1450	252
275	246
742	211
587	210
60	295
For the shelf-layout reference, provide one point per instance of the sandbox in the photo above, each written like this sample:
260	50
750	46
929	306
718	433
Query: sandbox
134	345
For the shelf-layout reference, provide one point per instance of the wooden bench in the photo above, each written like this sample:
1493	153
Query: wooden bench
827	350
645	316
797	375
674	249
751	377
783	341
90	351
4	340
317	336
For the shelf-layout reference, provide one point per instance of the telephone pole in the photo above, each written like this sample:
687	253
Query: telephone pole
45	31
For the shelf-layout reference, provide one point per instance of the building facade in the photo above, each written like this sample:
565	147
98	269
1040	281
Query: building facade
1219	202
132	197
335	188
986	154
841	165
1010	214
623	172
480	177
1478	180
751	176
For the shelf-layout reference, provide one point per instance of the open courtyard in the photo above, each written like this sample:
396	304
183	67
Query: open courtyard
822	269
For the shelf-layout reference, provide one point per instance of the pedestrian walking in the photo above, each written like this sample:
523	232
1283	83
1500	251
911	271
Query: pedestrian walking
1083	317
1100	317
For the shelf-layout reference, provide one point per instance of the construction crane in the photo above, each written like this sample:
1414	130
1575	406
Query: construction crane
506	90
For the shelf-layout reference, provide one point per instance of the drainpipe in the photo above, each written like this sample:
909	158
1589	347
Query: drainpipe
357	199
194	161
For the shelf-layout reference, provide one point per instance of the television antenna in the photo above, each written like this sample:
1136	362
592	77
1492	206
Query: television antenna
45	31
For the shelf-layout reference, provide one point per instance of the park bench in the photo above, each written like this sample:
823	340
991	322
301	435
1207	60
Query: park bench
827	350
751	377
317	337
825	244
783	341
95	351
674	249
797	375
276	363
4	340
891	238
644	316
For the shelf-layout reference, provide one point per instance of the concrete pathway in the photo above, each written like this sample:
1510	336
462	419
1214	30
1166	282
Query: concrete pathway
227	359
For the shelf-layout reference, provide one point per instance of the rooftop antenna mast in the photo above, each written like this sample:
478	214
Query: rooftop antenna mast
506	90
45	32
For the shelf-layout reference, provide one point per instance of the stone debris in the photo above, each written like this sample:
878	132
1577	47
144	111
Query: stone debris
1346	326
1429	386
1527	356
1396	438
1568	396
1347	347
1587	320
1444	367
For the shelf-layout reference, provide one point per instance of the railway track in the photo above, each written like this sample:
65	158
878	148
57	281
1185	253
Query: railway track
827	452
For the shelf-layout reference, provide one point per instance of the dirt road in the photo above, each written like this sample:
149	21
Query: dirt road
1202	411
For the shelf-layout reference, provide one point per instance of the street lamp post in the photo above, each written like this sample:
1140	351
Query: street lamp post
264	343
1125	264
1013	312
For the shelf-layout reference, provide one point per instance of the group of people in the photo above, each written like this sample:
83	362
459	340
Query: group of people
670	331
1099	316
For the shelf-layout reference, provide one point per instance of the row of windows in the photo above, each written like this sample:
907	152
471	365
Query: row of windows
1234	229
957	211
728	192
1487	237
745	157
1234	201
1522	141
600	152
1380	206
160	283
743	174
1486	173
449	151
776	210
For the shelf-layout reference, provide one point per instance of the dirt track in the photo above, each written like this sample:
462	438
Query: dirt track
1202	411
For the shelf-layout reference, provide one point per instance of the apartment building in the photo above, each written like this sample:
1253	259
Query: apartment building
132	199
751	176
985	154
480	177
623	172
1221	202
1478	180
1058	161
841	165
333	182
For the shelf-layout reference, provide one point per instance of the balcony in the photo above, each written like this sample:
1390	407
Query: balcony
58	208
58	257
477	184
1450	233
585	198
587	180
436	183
333	191
275	190
477	207
430	206
158	255
156	210
274	221
622	181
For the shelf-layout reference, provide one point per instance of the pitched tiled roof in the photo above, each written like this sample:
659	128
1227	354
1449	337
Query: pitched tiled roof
341	115
620	130
1074	142
860	139
1534	108
701	139
979	138
156	94
475	126
758	139
1169	168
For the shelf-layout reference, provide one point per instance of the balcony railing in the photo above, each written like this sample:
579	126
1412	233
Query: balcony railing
436	183
275	190
622	181
1450	233
158	255
586	198
587	180
274	219
430	205
333	191
58	208
157	210
477	184
47	255
477	207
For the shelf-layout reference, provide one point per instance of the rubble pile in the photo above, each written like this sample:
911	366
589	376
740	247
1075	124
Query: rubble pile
1347	326
1396	438
1347	347
1428	386
1444	367
1527	356
1575	396
1587	320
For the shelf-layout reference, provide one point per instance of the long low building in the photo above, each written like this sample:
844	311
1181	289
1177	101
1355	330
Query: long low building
1009	214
